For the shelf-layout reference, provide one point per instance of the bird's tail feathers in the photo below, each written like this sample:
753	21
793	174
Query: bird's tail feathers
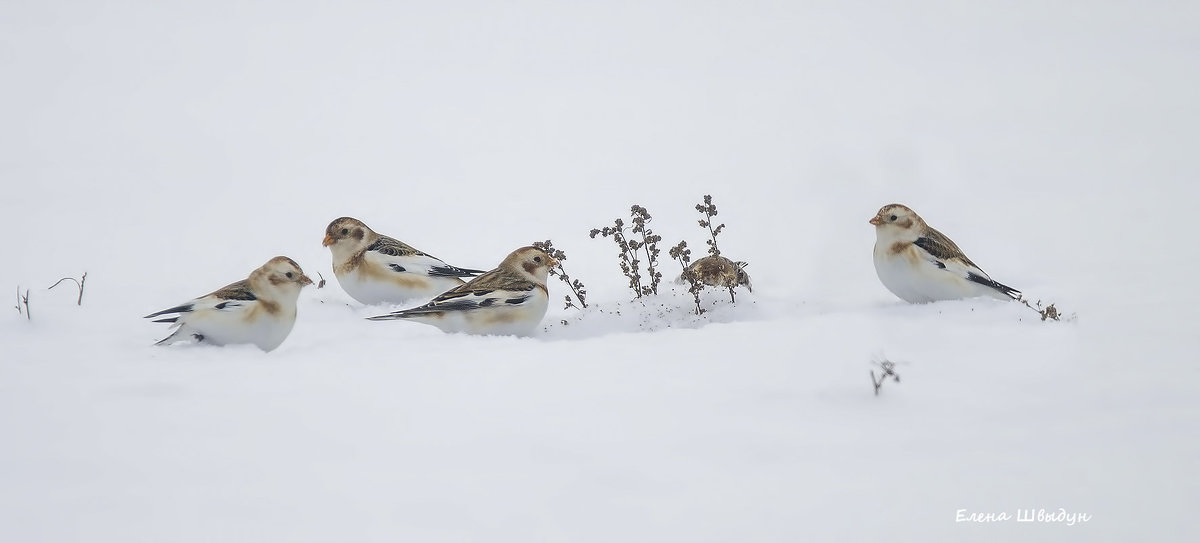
177	309
453	271
391	316
171	338
995	285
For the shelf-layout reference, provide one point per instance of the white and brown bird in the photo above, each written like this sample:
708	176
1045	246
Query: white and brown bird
375	269
919	264
260	309
509	300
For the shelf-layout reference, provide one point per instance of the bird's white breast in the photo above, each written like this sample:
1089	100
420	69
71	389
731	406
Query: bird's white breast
372	287
258	327
917	280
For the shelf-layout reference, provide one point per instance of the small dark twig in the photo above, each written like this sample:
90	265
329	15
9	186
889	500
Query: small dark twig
628	256
78	284
683	255
649	243
1049	312
709	210
23	300
889	370
321	283
575	285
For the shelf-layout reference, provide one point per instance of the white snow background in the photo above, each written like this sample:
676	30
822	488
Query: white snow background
168	148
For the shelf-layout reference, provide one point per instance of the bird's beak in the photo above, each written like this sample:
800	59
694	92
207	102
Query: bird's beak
551	262
304	280
328	240
875	220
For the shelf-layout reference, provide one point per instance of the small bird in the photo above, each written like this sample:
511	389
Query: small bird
509	300
919	264
374	269
260	309
718	271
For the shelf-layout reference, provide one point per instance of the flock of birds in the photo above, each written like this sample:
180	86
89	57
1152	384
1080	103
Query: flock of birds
913	260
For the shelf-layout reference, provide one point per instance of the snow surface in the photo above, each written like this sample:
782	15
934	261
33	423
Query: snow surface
169	148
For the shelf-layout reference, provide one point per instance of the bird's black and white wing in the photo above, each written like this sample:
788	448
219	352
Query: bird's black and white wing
939	250
389	253
497	288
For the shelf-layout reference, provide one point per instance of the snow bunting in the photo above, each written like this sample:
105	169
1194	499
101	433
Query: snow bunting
374	268
920	264
260	309
510	299
718	271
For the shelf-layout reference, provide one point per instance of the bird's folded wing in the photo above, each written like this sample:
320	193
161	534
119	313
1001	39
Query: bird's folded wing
232	297
239	291
418	263
402	258
392	247
937	248
495	288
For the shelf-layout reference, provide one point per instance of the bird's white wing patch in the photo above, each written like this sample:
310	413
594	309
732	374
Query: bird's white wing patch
224	305
418	264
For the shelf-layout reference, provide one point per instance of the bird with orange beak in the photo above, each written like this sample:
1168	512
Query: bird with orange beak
919	264
376	269
260	309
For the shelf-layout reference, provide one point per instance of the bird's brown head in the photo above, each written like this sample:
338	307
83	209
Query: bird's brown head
347	230
896	216
282	270
531	262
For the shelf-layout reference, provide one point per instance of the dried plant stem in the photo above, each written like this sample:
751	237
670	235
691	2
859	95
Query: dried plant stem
709	210
631	261
23	300
889	370
649	243
575	285
1049	312
628	257
683	255
78	284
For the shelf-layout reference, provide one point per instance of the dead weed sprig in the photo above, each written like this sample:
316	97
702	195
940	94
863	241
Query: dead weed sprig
649	244
78	284
714	269
709	210
683	255
575	285
632	248
1048	312
888	370
23	300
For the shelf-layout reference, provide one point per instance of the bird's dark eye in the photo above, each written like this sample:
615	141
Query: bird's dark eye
892	218
537	259
345	231
289	275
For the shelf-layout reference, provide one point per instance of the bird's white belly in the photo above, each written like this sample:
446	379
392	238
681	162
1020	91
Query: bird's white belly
920	281
371	290
232	328
504	320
